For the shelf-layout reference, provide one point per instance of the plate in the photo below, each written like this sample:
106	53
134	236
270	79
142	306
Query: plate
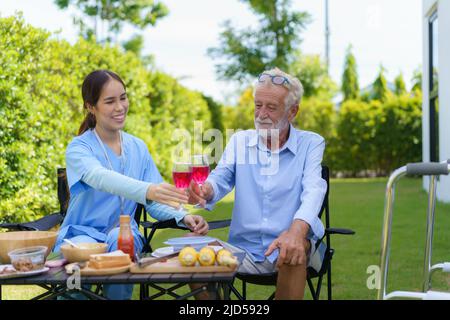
21	274
161	252
196	242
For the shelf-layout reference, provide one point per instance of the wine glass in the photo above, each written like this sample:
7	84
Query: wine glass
182	174
200	168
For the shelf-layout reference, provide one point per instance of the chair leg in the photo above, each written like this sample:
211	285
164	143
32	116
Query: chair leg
244	290
329	282
311	288
231	288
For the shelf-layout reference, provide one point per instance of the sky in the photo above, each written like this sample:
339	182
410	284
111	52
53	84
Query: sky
381	32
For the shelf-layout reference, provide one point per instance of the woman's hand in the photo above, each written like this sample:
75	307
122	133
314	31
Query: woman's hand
196	224
167	194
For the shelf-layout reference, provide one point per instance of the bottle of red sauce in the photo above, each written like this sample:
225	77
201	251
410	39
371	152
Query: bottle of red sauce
126	241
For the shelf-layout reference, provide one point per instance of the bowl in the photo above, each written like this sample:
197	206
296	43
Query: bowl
10	241
73	254
28	259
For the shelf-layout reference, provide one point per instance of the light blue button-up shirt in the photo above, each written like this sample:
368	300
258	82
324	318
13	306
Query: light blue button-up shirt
273	188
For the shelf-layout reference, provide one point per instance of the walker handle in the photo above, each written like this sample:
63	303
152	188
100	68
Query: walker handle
427	169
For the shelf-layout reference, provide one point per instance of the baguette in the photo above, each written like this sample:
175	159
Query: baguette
113	259
109	264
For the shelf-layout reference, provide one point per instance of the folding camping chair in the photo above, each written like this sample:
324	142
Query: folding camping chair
271	278
413	169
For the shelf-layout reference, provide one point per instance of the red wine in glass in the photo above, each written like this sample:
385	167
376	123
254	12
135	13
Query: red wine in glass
182	179
200	173
200	168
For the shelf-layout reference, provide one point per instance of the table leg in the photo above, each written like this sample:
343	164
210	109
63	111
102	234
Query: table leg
212	288
226	290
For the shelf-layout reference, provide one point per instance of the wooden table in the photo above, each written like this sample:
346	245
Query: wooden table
55	282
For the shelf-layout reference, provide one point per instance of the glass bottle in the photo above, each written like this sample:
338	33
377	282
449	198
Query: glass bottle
126	241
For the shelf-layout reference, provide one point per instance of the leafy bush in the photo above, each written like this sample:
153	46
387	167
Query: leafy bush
41	110
379	136
318	115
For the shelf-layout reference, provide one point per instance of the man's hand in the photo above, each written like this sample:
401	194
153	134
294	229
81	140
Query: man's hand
292	244
200	194
196	224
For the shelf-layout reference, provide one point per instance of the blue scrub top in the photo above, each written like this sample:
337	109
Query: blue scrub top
92	212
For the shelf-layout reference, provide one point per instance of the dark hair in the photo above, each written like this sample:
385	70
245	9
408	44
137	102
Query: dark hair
91	89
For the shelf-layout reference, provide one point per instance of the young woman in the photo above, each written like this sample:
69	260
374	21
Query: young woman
109	172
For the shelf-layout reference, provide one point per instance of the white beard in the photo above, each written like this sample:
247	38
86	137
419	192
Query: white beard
273	130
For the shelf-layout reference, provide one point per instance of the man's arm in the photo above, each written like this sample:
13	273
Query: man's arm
314	187
292	243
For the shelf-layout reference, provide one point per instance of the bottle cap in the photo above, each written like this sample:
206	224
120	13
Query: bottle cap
124	219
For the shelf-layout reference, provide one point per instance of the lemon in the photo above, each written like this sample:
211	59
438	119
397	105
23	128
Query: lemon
206	256
188	256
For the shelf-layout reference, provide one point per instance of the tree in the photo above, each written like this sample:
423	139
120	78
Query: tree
350	85
313	74
380	90
109	16
135	44
417	80
400	87
215	110
247	52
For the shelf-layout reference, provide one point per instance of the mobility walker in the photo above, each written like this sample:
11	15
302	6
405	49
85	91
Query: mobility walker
433	170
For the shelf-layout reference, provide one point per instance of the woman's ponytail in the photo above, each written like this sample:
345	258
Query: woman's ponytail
89	122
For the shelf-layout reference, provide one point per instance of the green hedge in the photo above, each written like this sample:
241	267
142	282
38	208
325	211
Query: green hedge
379	137
41	110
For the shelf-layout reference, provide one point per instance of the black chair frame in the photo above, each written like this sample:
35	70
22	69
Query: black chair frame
271	279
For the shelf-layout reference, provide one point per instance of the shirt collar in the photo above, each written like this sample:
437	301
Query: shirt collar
292	141
290	144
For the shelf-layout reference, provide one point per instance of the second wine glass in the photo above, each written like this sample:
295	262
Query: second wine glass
200	168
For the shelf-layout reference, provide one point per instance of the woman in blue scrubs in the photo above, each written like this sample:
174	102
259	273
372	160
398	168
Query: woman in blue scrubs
109	172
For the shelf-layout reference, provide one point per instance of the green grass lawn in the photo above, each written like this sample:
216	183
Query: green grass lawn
357	204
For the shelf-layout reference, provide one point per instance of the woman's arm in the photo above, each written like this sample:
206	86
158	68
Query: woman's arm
110	181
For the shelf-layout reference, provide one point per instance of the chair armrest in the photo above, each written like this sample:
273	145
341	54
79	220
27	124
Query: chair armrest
43	224
339	231
219	224
171	223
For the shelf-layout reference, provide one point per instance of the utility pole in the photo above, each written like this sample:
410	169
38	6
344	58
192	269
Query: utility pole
327	38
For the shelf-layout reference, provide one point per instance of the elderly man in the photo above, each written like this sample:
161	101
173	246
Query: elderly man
276	170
